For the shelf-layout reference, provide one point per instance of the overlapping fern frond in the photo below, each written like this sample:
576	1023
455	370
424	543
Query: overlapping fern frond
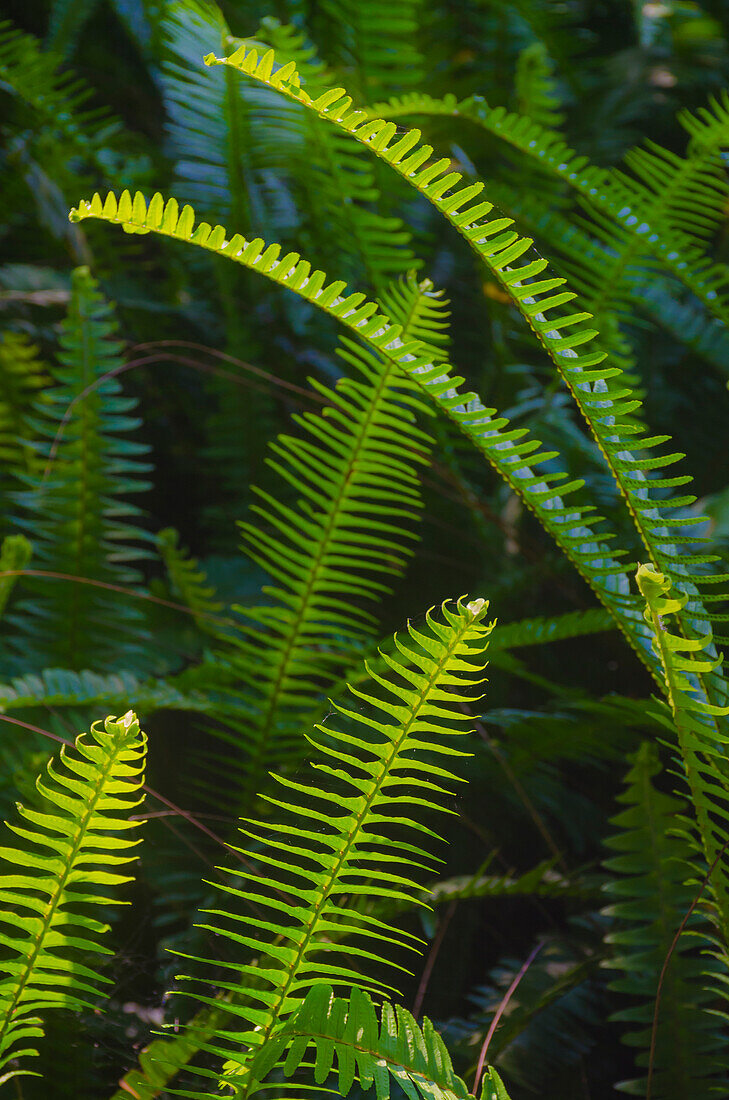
336	181
512	452
650	897
76	845
74	507
332	551
354	827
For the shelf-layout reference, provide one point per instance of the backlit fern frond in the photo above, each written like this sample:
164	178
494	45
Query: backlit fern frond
702	757
352	827
515	455
75	507
332	551
369	1048
75	846
649	899
601	391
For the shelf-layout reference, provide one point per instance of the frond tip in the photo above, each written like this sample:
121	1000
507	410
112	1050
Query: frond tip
76	842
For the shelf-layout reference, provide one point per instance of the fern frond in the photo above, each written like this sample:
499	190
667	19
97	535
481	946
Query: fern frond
649	899
540	631
601	392
15	554
340	193
22	376
703	759
536	92
187	581
367	1049
349	829
354	471
78	516
60	687
374	44
59	876
511	452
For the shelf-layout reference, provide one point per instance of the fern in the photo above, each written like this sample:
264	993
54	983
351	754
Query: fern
511	452
77	516
58	687
15	555
535	90
649	899
353	837
703	761
188	583
22	376
367	1049
353	472
74	839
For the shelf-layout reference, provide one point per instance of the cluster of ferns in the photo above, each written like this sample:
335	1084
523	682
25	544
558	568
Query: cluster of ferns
382	312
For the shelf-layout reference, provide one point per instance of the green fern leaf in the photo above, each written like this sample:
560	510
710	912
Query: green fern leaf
80	833
74	509
649	899
351	829
367	1049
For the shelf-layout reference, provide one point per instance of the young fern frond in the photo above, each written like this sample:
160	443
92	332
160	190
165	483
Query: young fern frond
649	899
704	762
353	828
74	508
510	451
76	842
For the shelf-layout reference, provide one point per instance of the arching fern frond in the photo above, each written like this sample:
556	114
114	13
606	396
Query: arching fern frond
59	876
60	687
510	451
74	507
601	392
649	899
352	827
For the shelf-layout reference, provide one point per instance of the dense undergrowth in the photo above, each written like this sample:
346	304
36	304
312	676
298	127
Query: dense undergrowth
315	315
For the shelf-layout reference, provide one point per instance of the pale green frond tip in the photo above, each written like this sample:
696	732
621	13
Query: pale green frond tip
651	582
477	607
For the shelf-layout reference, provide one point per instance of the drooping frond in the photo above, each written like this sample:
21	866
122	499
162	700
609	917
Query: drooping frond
365	1046
600	391
74	507
75	844
703	759
649	899
352	827
510	451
